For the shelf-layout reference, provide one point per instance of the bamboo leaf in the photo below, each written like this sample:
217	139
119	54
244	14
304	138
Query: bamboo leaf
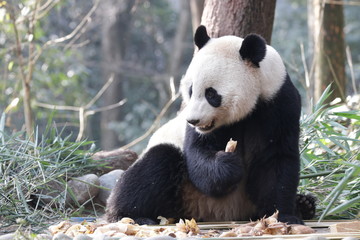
2	127
340	186
335	193
323	146
352	115
344	206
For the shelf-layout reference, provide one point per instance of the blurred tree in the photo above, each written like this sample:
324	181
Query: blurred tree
36	57
115	35
24	60
197	7
181	32
157	47
326	22
239	17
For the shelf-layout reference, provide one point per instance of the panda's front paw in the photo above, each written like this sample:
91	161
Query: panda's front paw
223	156
229	165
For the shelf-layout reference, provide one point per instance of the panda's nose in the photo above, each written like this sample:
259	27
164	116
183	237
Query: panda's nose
193	121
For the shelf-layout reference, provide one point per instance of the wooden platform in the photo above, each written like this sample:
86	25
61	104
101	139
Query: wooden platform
322	230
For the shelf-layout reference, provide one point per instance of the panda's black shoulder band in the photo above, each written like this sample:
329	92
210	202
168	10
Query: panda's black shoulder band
201	37
253	49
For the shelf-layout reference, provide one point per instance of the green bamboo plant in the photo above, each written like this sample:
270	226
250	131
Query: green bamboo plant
330	158
26	168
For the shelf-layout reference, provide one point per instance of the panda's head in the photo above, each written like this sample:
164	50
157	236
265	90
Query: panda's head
226	78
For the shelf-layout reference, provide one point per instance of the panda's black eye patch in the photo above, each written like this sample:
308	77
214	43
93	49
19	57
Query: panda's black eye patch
212	96
190	91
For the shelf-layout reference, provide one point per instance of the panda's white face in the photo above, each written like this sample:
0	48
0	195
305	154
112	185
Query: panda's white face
220	88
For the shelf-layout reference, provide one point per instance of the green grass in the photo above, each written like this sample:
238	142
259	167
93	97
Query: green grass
26	169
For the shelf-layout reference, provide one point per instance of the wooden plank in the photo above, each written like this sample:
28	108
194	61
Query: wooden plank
345	227
322	230
296	236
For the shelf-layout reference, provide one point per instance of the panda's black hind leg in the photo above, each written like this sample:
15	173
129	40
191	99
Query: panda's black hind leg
305	206
149	188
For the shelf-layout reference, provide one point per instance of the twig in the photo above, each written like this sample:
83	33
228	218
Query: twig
101	92
25	79
58	107
83	110
70	35
18	46
44	9
341	89
307	78
82	121
106	108
341	2
157	119
349	60
41	11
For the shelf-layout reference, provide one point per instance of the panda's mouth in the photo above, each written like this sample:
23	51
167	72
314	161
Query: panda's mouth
208	127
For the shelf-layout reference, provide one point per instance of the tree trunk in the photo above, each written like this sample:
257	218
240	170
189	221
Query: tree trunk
329	49
179	39
239	17
116	22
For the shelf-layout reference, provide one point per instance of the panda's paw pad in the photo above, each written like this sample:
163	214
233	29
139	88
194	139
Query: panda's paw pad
306	205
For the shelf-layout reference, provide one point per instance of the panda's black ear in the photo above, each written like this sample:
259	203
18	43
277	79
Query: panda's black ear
201	37
253	49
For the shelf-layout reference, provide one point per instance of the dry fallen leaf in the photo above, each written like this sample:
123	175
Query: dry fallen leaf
132	229
228	234
184	228
273	218
127	220
277	229
75	230
117	227
243	229
60	227
189	226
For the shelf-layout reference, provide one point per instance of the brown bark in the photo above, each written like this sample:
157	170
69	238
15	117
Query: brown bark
115	159
239	17
329	50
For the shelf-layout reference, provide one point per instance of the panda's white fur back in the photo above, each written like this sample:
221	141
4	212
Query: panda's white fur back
172	132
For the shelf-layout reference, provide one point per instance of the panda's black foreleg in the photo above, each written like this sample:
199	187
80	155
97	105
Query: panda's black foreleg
272	185
286	189
150	188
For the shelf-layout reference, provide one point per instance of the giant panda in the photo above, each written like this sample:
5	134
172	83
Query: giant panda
236	89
